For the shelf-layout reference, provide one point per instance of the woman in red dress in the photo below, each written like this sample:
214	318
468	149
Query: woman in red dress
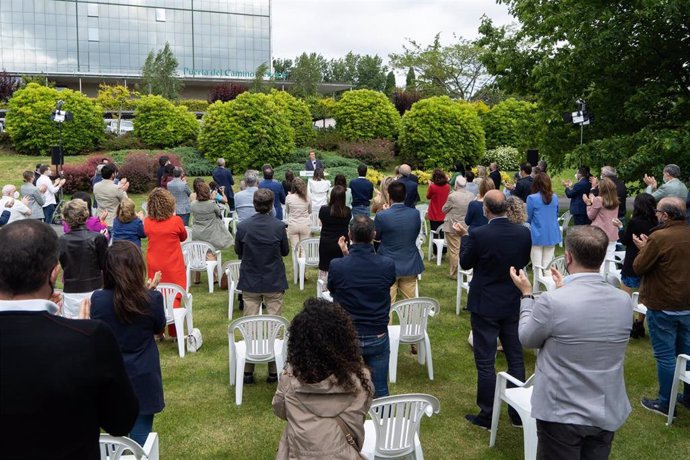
165	232
437	194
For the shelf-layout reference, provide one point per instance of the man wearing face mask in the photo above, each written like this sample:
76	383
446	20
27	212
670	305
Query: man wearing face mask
17	209
663	265
672	185
578	208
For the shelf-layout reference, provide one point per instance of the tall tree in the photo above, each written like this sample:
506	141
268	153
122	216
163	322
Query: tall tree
453	70
390	84
342	70
282	66
159	74
371	73
258	84
307	74
411	80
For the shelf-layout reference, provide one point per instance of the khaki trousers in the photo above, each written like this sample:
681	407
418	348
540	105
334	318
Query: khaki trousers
252	304
453	242
407	285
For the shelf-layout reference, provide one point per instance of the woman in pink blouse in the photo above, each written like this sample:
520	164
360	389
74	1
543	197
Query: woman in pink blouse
602	210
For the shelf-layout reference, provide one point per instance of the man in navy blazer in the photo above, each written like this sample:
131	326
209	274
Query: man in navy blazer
312	164
493	299
411	192
397	228
362	192
578	208
275	187
223	177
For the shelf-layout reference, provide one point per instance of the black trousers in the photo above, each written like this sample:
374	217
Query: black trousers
485	331
567	441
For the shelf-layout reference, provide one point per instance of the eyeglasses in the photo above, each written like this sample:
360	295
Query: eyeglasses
659	211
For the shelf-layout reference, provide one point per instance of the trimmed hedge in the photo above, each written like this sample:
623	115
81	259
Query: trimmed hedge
297	113
159	123
366	114
511	123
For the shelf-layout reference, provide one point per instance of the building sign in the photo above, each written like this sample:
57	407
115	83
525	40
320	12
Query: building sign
229	73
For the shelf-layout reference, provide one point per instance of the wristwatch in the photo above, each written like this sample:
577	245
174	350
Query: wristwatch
527	296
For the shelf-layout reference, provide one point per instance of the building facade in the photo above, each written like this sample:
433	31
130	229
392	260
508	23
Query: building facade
80	43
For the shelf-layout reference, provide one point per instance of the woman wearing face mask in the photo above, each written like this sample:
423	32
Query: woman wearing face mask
578	208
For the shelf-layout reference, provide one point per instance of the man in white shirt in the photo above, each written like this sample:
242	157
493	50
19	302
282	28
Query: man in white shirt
52	188
19	209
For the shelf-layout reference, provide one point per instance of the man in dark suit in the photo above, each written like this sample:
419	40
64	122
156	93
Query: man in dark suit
493	299
495	175
411	185
261	243
312	164
223	177
397	228
578	208
523	187
61	380
275	187
362	192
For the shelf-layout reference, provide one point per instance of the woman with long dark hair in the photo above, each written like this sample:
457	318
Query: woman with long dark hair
341	180
135	313
325	391
287	183
542	215
334	221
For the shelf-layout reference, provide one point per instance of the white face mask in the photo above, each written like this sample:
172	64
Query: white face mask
577	176
16	195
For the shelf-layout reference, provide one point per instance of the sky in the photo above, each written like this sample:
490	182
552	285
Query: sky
334	27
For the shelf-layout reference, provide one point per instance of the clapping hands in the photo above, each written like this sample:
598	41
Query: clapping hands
342	243
650	180
588	199
640	241
153	283
460	229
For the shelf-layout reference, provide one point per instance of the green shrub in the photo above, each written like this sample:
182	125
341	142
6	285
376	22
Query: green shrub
327	139
32	132
159	123
507	158
378	153
194	105
125	141
247	131
320	107
366	114
511	123
297	113
438	131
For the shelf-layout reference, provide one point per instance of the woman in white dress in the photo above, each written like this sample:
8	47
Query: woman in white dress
318	190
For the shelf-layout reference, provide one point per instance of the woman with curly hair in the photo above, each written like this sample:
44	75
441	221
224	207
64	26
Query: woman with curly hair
437	194
325	391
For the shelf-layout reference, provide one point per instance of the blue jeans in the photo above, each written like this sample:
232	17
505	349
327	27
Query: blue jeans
376	353
48	212
360	209
185	219
141	429
670	336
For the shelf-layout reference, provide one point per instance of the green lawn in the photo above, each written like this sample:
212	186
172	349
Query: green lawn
201	419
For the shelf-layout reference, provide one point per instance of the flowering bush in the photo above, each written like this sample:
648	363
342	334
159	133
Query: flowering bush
374	176
375	152
507	158
423	176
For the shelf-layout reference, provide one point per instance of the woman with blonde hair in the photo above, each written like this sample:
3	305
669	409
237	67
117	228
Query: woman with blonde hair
475	210
381	201
298	209
602	210
127	224
516	211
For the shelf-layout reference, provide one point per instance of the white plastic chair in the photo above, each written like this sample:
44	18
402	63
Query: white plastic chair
232	271
116	448
259	344
180	317
611	265
189	234
145	208
306	254
393	430
638	307
682	374
195	261
545	278
563	222
412	315
463	284
423	208
314	222
440	243
520	400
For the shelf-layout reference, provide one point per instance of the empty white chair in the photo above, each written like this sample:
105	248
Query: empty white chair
195	261
542	275
440	243
638	307
682	374
463	284
307	255
116	448
314	222
393	430
412	315
520	399
232	271
259	344
189	234
180	317
563	222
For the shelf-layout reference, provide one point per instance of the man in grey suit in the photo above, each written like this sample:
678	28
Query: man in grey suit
582	329
181	192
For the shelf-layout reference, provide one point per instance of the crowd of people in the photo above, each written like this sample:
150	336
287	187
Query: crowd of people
369	257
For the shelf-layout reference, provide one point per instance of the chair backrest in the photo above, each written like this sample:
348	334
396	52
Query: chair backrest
396	421
314	221
145	208
413	315
559	263
195	254
259	333
170	292
113	447
566	219
232	270
189	234
310	251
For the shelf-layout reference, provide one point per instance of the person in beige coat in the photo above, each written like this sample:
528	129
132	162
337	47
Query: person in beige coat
455	210
325	391
298	209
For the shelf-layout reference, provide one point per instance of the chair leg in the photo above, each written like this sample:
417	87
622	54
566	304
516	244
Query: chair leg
458	293
231	299
529	432
181	336
680	364
393	360
302	269
210	269
418	453
500	387
439	252
429	362
219	267
189	278
231	360
239	379
295	265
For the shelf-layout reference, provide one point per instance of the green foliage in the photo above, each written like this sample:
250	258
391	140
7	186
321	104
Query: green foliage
41	80
411	80
511	123
159	74
31	130
335	164
390	84
258	85
194	105
283	66
438	131
321	107
326	139
247	132
159	123
298	115
366	114
307	74
507	158
371	73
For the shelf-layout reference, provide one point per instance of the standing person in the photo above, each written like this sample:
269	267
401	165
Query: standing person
334	220
167	175
34	194
360	282
583	424
298	209
621	190
397	228
382	201
244	200
456	209
493	300
312	164
208	225
542	215
437	194
341	180
602	210
523	187
82	258
108	194
362	192
458	171
223	177
472	186
495	175
326	385
51	188
134	311
261	243
180	191
128	225
475	217
287	183
410	181
162	161
578	208
62	380
276	188
663	265
672	185
318	189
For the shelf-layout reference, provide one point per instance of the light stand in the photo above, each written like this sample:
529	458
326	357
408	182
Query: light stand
580	117
59	116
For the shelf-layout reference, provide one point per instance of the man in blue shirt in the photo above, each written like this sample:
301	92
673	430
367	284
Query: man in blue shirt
277	189
362	192
410	181
223	177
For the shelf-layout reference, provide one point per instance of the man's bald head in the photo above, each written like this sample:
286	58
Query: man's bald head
495	204
671	208
405	170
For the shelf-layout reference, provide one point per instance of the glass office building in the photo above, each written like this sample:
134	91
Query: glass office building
100	40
